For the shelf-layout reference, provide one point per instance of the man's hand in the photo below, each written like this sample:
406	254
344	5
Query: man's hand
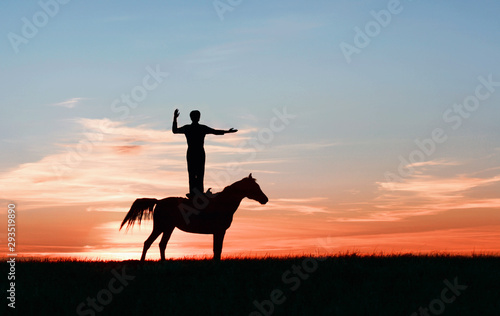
232	130
176	113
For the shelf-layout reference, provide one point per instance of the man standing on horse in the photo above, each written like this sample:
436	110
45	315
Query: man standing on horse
195	136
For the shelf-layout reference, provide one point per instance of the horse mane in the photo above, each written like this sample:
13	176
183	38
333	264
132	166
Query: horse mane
238	183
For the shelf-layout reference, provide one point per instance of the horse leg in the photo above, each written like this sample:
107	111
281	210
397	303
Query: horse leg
164	240
156	232
218	239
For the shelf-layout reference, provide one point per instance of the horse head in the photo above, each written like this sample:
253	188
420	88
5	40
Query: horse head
252	190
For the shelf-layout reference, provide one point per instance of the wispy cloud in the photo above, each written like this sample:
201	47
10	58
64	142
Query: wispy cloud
431	190
436	187
308	146
431	163
71	103
306	206
109	164
215	54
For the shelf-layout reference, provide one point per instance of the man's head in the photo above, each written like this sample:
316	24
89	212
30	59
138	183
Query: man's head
195	116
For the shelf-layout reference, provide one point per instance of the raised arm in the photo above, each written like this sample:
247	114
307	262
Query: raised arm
175	129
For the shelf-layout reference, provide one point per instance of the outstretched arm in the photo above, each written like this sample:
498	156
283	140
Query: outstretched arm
221	131
175	129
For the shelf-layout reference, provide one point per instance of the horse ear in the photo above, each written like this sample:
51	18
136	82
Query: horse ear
250	176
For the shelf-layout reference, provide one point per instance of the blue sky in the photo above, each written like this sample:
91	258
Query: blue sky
352	121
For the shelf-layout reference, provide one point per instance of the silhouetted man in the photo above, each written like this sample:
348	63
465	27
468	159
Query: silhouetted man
195	135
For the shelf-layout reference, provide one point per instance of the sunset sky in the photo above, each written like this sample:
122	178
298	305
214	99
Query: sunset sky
372	126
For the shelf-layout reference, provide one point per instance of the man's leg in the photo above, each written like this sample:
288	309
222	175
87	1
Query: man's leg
192	173
199	167
196	170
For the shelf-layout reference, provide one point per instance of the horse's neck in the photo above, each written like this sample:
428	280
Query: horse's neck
230	198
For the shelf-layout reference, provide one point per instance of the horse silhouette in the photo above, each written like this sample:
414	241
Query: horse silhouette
201	215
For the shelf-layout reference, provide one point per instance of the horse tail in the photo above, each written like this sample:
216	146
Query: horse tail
138	210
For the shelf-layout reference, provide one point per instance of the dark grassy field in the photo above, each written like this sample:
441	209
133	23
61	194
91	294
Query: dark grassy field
342	285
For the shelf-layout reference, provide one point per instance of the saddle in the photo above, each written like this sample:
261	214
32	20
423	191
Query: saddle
209	194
